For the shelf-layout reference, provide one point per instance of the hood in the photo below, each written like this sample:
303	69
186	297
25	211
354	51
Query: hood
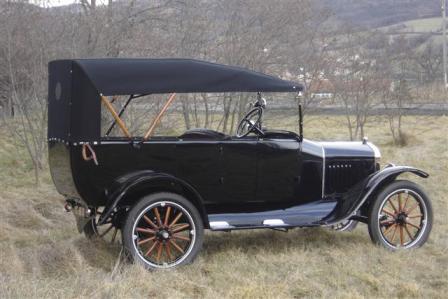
350	149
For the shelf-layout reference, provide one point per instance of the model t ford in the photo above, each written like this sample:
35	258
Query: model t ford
161	192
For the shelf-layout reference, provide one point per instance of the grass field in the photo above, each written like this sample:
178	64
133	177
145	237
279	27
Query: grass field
42	255
418	25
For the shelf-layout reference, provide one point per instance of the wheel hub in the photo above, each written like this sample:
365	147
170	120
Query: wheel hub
401	218
163	234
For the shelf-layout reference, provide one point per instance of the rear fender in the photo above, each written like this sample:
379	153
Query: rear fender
127	189
361	194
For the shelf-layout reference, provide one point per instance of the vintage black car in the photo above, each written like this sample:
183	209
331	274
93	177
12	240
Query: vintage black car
161	192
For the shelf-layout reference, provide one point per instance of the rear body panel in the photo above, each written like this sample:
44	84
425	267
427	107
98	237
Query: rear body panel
59	159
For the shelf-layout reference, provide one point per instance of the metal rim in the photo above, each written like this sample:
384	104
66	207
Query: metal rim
402	218
164	234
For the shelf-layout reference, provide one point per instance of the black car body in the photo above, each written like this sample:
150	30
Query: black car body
268	179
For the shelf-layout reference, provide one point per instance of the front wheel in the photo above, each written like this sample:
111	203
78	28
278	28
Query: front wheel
163	230
401	216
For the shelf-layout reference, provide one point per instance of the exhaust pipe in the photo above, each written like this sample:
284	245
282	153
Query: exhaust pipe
68	207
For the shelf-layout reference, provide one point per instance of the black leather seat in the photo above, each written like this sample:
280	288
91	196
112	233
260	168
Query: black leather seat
279	134
203	134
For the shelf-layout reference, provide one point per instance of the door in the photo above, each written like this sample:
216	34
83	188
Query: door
198	163
279	169
238	158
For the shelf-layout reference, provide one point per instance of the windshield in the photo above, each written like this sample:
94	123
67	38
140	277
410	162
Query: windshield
220	112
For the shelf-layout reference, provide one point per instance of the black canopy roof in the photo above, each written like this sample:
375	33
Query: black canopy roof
75	86
143	76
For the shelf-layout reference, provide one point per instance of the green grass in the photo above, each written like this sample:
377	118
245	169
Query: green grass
414	28
42	255
425	25
418	25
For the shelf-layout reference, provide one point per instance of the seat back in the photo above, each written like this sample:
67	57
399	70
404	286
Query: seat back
203	134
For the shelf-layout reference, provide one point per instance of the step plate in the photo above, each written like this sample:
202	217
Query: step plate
303	215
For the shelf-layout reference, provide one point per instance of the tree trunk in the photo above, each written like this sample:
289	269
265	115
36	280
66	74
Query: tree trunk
186	113
207	116
195	111
232	122
11	109
349	126
227	106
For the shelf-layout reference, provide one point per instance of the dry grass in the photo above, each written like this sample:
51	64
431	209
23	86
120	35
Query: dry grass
43	256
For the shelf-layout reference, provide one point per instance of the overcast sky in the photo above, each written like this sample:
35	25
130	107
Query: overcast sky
61	2
53	2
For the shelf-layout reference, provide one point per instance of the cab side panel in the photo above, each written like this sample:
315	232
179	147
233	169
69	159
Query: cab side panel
288	175
279	165
223	174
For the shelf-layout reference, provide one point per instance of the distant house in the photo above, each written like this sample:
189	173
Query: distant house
321	89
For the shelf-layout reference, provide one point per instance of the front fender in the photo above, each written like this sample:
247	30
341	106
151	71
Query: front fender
143	180
391	172
354	199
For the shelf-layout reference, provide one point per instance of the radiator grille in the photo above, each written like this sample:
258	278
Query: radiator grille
341	174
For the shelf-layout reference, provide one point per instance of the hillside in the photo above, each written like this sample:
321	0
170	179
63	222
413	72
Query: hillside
377	13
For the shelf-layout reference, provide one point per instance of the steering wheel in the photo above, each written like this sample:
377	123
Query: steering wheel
251	122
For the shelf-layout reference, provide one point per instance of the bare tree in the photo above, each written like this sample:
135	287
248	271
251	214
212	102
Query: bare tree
429	61
394	64
356	81
24	58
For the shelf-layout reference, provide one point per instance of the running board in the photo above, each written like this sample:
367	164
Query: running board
304	215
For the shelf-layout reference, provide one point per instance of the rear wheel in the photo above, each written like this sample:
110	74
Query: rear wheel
163	230
401	216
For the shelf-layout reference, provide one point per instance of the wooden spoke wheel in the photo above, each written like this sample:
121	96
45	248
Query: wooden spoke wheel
109	231
165	232
402	216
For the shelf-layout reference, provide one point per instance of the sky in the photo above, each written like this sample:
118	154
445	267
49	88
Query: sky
47	3
53	2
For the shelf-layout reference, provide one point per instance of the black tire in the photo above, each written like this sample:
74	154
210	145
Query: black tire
151	227
390	217
90	230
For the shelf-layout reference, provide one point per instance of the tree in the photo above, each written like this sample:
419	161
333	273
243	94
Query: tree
24	82
356	80
429	62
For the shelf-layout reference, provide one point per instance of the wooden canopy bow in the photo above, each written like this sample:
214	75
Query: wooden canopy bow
122	125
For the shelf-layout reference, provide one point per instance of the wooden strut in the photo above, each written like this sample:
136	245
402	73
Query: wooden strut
159	116
116	116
